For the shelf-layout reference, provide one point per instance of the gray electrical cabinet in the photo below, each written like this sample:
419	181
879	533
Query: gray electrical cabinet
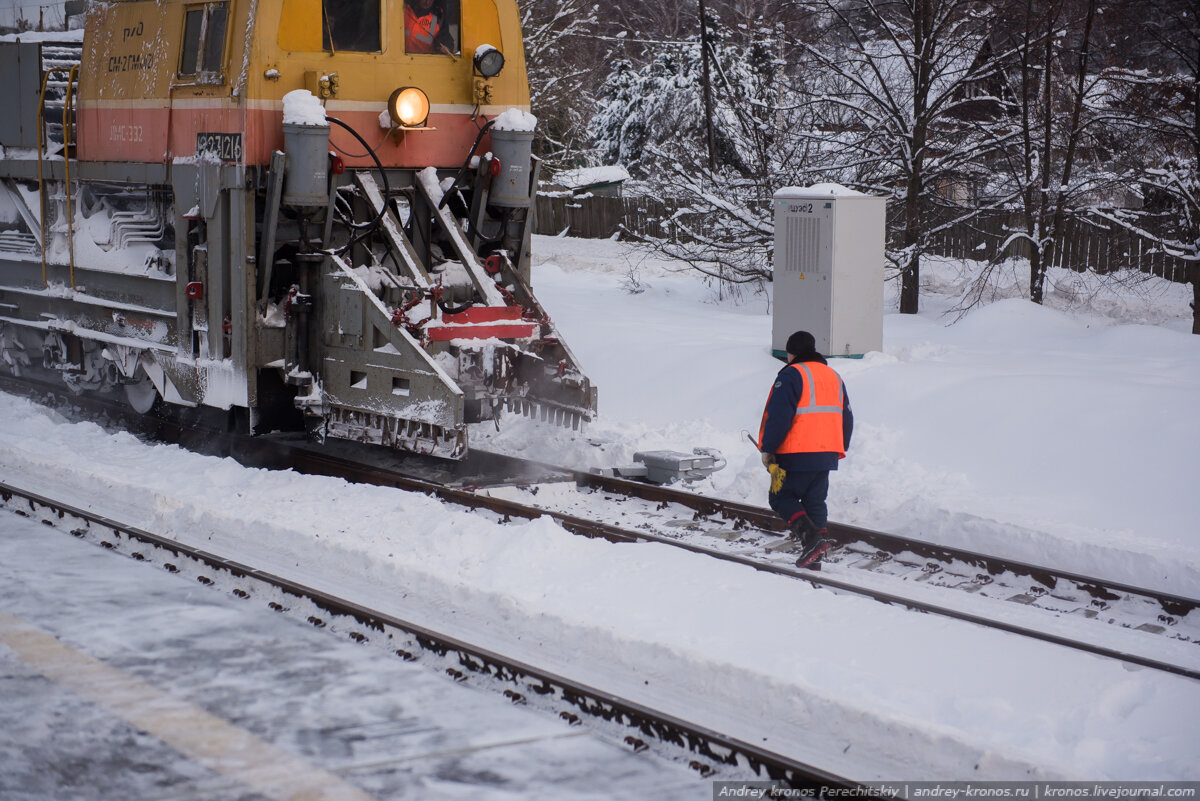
828	269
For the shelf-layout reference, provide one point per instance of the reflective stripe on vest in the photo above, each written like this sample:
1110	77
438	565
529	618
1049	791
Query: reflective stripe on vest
817	426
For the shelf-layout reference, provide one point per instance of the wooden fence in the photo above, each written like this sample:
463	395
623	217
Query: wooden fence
597	217
1086	244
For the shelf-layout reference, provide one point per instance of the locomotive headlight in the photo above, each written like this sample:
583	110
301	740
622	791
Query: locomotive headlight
409	107
488	61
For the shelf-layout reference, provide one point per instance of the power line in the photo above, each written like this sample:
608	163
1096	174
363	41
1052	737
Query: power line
609	38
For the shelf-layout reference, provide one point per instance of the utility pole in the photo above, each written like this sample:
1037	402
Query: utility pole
708	114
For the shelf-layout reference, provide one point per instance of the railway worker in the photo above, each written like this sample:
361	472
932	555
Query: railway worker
805	431
423	31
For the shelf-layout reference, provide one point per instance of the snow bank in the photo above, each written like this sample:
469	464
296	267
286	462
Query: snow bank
74	35
589	176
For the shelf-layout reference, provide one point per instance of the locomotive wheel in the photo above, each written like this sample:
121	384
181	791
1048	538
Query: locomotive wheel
142	394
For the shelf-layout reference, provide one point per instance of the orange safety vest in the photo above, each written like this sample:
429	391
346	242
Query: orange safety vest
419	32
817	427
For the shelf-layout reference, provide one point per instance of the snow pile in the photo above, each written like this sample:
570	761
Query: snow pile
75	35
1123	296
301	107
820	190
590	176
429	179
515	120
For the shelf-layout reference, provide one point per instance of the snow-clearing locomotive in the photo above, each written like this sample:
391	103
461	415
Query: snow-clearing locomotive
316	211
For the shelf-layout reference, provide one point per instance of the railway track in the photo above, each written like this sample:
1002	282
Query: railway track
747	535
1017	597
704	750
749	530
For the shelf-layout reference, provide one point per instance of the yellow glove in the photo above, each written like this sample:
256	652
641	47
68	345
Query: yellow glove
778	474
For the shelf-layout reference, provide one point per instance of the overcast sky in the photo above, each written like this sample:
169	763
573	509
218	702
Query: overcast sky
51	11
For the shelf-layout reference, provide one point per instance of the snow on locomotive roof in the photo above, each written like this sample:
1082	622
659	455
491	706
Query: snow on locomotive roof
301	107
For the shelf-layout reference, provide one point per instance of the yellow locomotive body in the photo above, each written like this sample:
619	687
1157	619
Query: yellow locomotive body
152	82
316	211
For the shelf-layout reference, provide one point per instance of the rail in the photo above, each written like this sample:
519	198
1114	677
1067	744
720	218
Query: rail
842	534
709	748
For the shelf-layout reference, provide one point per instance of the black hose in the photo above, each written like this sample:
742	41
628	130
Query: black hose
466	164
459	309
369	227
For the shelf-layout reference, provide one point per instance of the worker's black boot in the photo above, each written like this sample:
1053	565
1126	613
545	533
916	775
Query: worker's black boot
814	549
803	530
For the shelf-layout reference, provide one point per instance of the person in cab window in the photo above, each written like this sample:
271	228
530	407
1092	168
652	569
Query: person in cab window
423	30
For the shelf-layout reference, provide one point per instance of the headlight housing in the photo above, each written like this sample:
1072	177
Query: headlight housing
488	61
409	107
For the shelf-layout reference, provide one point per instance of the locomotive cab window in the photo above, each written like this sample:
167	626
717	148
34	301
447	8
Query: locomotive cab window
432	26
204	42
351	25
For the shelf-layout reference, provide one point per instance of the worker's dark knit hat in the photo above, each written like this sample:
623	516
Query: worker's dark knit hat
801	342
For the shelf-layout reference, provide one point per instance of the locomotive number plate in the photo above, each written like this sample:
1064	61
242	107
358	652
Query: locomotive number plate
225	146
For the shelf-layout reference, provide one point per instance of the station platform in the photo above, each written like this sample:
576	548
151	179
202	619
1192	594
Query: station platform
121	682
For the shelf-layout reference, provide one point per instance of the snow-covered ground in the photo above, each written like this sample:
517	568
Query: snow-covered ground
178	693
1066	434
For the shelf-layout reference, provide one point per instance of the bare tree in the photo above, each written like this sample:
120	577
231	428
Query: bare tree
1162	103
650	21
562	57
653	119
1055	91
883	99
1059	111
908	77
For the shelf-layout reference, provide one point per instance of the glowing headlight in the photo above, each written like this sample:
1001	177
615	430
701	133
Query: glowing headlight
409	107
488	61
